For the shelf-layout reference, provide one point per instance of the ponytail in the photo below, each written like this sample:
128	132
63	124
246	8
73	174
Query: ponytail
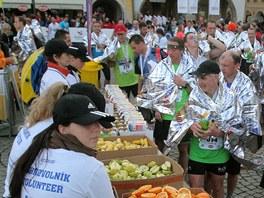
26	160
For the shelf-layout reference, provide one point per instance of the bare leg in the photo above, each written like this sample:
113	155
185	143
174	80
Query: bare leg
218	185
231	184
160	144
208	185
196	181
183	155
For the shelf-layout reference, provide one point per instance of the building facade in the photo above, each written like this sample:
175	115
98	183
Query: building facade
240	10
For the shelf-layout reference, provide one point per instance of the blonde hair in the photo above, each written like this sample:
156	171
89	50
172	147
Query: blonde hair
42	107
4	27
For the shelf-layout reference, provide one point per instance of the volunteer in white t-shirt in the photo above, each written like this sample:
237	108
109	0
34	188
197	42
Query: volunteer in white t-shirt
61	160
40	118
58	56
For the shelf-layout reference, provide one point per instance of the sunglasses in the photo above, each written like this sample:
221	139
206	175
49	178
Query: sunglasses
173	47
120	34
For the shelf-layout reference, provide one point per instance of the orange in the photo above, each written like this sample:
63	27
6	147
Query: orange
194	196
184	196
155	190
184	191
148	195
132	196
162	195
203	195
141	190
170	190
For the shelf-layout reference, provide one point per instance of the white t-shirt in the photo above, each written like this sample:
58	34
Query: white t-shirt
62	173
52	76
21	143
189	29
52	29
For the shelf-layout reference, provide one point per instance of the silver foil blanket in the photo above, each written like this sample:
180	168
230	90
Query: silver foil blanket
248	98
257	76
226	112
26	43
150	40
159	92
102	39
35	26
111	49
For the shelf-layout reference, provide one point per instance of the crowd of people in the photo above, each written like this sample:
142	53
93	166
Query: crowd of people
188	71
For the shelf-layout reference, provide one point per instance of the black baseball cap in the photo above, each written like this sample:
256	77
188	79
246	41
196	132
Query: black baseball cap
207	67
79	109
57	46
80	51
94	94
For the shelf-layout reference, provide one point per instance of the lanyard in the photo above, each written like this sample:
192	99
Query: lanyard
125	51
141	62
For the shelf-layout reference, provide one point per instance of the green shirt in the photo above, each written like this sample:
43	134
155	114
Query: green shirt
199	154
125	67
184	95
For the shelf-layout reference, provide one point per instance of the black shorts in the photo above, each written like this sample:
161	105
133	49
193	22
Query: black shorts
161	129
106	71
132	88
233	166
199	168
146	113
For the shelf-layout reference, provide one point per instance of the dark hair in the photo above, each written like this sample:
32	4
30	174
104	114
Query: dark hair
160	31
185	37
245	27
22	19
178	40
210	21
26	160
148	22
61	34
142	24
136	38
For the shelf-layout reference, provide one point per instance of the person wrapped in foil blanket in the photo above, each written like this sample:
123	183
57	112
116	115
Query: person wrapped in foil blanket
257	76
159	91
26	42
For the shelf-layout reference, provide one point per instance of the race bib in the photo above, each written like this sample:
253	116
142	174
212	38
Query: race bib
125	65
211	143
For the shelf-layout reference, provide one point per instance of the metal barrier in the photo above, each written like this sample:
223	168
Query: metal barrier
11	94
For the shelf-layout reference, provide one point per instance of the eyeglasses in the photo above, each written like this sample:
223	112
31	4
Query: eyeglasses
120	34
173	47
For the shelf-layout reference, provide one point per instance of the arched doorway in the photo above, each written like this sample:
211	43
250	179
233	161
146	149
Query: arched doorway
249	17
167	9
111	8
260	16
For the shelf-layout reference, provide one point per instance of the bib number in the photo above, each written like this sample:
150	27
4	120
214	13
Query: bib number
211	143
125	65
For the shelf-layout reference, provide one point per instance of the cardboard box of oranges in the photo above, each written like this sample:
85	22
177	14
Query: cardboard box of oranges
147	191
